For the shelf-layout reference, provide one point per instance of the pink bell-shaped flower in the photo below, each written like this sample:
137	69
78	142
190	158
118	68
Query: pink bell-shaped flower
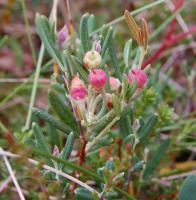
114	83
97	78
139	75
78	90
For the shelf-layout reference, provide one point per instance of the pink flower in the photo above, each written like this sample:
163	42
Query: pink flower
78	90
114	83
138	75
97	78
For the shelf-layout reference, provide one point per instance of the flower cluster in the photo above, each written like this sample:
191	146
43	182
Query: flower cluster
97	78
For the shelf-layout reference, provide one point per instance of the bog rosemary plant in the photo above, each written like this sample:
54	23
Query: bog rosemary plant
95	100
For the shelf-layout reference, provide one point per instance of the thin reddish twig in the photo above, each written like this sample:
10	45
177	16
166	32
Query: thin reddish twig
167	43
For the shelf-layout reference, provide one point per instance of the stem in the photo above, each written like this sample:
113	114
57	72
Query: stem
52	18
101	134
13	177
51	169
29	36
96	101
165	23
34	89
119	19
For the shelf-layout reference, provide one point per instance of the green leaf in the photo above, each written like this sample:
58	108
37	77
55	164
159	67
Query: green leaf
148	126
106	42
62	110
41	140
137	166
80	69
83	194
67	149
153	163
3	40
126	52
91	23
44	30
84	35
116	104
53	135
51	120
188	191
125	127
113	57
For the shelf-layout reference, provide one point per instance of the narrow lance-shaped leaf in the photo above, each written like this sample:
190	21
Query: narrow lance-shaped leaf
126	52
106	42
43	28
113	57
137	166
41	140
153	163
53	135
147	127
116	105
91	23
83	194
67	149
50	119
84	35
63	111
80	69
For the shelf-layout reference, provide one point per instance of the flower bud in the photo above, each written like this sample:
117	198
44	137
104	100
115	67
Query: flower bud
138	75
92	59
62	36
78	90
55	151
97	78
98	46
114	84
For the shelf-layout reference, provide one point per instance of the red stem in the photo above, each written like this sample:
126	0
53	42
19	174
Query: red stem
173	40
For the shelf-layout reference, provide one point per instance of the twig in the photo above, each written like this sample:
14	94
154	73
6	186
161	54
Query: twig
5	183
121	18
51	169
177	176
13	177
22	80
181	23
